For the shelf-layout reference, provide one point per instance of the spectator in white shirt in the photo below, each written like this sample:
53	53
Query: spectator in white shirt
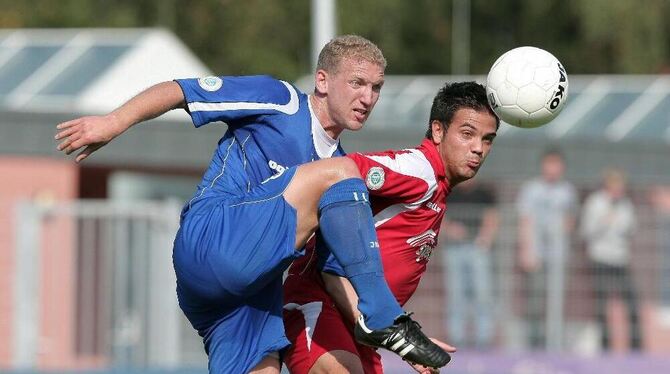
607	224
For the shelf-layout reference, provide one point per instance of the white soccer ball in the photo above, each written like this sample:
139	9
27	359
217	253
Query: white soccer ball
527	87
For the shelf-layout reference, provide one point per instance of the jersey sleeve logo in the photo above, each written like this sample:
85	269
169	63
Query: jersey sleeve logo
210	83
289	108
375	178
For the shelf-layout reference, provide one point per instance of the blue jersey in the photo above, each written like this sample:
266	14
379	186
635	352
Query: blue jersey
271	126
237	234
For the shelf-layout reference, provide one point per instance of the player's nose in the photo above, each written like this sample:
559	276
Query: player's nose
477	146
367	96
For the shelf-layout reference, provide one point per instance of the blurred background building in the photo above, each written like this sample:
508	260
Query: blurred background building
85	250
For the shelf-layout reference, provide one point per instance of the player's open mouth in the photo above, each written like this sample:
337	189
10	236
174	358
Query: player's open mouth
360	114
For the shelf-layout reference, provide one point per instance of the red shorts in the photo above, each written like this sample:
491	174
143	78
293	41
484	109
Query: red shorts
315	326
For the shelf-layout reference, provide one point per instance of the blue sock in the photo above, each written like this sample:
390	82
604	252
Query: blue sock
348	230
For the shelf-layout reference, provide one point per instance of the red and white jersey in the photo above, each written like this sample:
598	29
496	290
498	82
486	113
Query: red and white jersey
408	191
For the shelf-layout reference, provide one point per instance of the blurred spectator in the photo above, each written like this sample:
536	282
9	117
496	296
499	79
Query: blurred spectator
469	229
607	225
546	207
660	200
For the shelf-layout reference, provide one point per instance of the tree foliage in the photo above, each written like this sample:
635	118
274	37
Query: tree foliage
273	36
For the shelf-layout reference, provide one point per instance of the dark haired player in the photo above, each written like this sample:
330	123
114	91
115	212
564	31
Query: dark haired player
408	190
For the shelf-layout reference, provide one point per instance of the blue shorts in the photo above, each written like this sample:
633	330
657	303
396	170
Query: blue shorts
229	256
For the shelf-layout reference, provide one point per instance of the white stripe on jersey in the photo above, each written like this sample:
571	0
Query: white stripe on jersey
414	164
223	169
289	108
310	312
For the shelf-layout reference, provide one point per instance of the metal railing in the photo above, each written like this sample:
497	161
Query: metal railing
94	287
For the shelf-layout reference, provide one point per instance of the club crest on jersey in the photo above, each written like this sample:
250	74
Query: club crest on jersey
425	243
375	178
210	83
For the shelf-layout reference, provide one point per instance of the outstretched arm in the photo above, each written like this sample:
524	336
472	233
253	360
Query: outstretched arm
93	132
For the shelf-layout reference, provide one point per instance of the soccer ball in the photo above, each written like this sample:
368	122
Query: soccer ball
527	87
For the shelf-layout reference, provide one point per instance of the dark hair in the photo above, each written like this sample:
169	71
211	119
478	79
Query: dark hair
454	96
553	151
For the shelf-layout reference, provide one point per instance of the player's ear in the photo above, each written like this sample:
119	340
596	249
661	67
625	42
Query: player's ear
437	130
321	82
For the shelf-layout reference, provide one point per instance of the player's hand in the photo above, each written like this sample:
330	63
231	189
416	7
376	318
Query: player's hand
91	132
424	370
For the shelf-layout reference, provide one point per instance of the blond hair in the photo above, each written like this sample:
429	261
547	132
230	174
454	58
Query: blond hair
348	46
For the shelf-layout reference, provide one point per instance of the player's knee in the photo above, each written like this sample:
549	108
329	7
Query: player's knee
337	362
341	168
349	168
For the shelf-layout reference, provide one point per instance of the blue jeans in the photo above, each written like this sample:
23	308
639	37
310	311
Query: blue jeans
469	291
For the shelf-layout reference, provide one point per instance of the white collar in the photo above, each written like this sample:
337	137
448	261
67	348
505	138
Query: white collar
325	145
